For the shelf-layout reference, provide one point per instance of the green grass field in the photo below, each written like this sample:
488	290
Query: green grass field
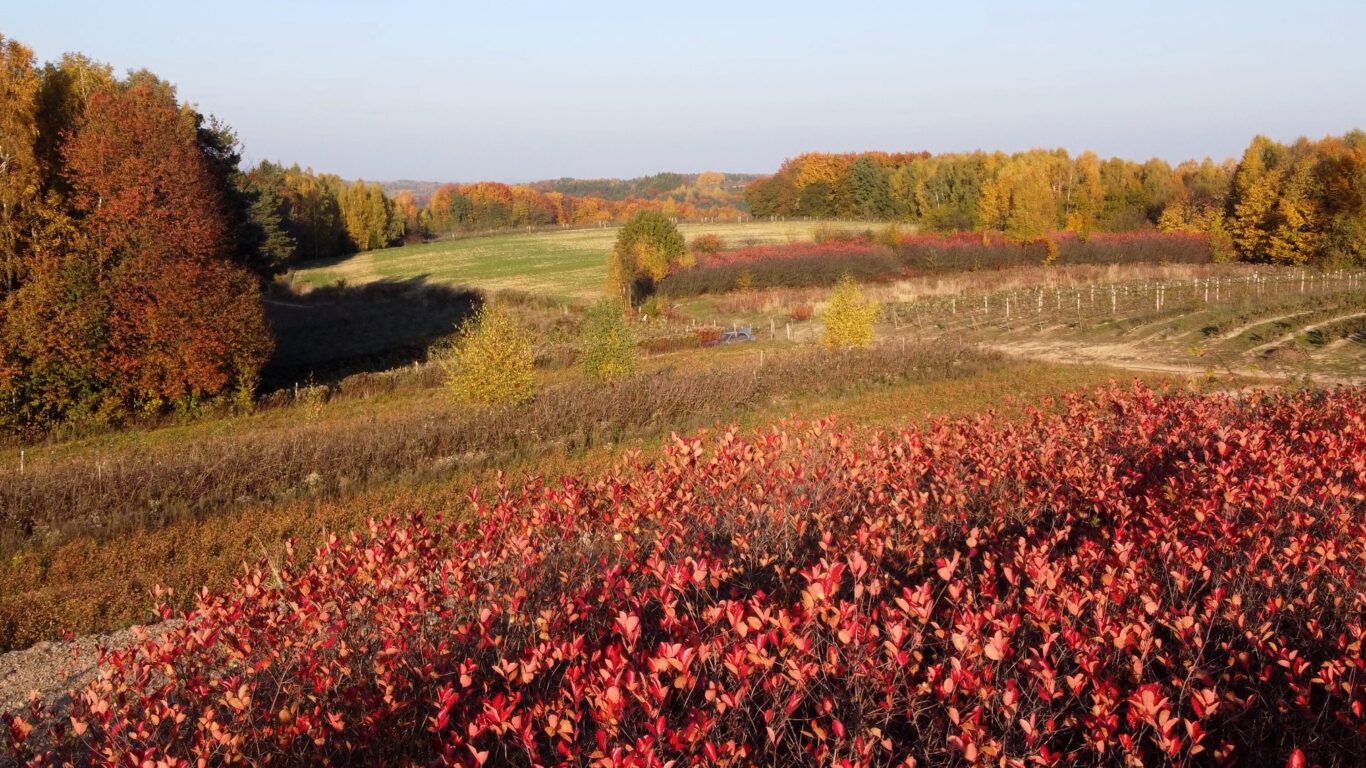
568	265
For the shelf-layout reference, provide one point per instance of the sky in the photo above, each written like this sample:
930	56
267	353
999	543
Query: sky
516	91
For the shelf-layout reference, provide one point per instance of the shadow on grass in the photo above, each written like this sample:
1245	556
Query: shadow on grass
327	334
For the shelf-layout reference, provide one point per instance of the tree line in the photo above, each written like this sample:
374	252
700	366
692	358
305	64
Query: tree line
1291	204
311	215
486	205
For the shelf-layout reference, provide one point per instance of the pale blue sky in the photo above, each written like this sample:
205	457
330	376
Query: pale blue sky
516	90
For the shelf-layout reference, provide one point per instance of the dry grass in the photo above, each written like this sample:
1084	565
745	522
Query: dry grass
88	583
103	493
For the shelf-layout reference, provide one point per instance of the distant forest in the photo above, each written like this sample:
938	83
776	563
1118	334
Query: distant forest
659	186
440	209
1289	204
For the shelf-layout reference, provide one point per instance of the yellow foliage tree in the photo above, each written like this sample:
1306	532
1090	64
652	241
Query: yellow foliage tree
648	247
19	179
849	319
493	363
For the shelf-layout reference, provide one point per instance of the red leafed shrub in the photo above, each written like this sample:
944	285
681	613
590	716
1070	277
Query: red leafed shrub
797	265
975	250
793	265
1140	578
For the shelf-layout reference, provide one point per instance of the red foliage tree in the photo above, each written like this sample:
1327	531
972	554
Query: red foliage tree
139	180
164	316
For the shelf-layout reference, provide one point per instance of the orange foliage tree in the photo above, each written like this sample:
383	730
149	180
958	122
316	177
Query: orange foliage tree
144	308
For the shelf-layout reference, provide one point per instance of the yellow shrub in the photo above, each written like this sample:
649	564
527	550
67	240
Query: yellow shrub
493	363
889	236
1051	251
609	348
849	319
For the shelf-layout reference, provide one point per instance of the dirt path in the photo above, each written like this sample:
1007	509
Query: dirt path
1125	358
53	669
1304	329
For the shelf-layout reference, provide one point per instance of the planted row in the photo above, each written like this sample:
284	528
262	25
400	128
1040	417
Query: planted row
1140	578
798	265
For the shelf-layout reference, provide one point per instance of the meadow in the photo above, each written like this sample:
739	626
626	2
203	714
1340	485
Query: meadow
569	265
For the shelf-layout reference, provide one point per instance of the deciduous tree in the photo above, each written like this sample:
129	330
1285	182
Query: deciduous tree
493	363
20	179
647	248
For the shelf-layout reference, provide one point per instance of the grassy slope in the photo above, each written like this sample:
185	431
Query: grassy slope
567	265
88	584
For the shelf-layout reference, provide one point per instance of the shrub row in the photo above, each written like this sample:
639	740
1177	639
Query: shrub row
799	265
101	495
969	251
1142	579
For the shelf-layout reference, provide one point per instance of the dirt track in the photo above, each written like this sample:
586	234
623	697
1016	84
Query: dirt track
52	669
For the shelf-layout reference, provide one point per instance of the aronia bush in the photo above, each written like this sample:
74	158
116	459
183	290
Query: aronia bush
1136	578
797	265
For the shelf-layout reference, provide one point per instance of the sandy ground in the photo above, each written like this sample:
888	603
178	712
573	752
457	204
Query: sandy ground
53	669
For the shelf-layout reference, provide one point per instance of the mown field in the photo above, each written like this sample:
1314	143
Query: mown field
568	265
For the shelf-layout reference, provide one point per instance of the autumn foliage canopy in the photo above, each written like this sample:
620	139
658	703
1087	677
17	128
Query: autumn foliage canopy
1137	579
132	300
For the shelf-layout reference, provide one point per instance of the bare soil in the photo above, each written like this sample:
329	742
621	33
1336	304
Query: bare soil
51	670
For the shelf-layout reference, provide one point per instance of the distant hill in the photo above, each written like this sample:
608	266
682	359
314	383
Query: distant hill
660	186
422	190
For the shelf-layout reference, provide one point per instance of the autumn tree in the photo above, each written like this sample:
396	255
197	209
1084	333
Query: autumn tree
493	362
315	216
647	248
405	207
149	311
1087	196
66	86
20	179
1255	184
1341	179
